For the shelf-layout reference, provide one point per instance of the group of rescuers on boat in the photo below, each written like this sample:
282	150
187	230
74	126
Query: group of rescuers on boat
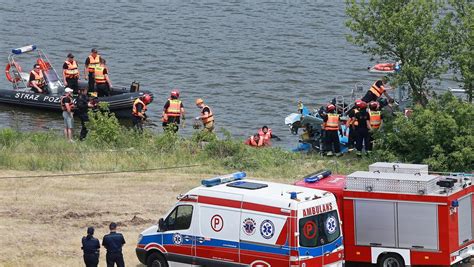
99	85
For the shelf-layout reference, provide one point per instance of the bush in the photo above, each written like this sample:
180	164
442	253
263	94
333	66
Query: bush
440	135
103	126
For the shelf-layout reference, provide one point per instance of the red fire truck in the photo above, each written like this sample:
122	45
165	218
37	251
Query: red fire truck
401	215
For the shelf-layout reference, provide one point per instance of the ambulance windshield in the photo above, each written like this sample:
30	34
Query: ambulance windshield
318	230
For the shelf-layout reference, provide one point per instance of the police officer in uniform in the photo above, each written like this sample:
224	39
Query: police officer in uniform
113	242
91	247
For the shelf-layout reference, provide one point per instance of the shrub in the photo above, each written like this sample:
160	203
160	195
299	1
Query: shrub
104	127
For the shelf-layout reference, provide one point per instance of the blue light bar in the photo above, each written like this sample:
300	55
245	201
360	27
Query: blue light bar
24	49
223	179
314	177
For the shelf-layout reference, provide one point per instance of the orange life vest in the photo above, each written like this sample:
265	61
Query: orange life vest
375	119
71	72
174	109
99	75
63	105
378	91
134	108
265	137
252	142
332	124
93	63
209	118
39	78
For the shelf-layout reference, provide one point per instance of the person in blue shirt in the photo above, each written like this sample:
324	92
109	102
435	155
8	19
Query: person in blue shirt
91	247
114	242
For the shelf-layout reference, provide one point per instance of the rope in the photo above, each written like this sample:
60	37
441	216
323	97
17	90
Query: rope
100	173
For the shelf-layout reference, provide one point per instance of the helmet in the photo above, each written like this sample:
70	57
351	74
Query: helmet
330	108
146	98
199	101
175	93
361	104
374	105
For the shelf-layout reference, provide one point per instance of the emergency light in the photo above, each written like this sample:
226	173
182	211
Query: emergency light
24	49
223	179
316	176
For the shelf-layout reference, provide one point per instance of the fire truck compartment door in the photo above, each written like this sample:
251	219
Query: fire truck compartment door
375	223
465	219
417	225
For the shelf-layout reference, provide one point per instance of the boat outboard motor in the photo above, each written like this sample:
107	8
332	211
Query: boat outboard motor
135	87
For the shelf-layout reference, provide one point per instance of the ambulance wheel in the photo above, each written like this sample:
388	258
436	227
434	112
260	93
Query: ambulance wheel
156	260
391	260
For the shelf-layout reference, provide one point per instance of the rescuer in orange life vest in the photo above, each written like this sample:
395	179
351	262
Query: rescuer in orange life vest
375	119
352	123
102	80
92	61
139	111
36	81
362	128
331	127
172	112
207	117
71	73
376	91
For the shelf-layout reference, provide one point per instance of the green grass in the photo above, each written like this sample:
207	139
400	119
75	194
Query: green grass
47	151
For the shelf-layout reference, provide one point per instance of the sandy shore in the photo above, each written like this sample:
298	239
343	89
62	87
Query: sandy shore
42	220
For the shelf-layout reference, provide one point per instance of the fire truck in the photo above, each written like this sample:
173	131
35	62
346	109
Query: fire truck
231	221
402	215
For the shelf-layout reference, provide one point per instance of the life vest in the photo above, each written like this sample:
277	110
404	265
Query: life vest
39	78
63	105
252	142
332	124
71	72
99	75
206	119
265	137
93	63
174	109
353	121
375	119
134	108
378	91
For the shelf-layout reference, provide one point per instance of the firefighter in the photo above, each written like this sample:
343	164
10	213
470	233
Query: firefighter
71	73
67	105
36	81
92	61
362	128
83	104
138	111
114	242
375	119
173	111
207	117
352	123
102	80
91	248
331	129
376	91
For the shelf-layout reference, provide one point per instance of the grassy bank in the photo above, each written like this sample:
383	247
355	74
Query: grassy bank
46	151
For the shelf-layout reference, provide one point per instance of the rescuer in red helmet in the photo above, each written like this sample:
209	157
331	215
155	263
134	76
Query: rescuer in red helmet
173	111
362	127
139	111
375	118
331	127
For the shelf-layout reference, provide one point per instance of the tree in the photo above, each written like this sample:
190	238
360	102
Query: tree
462	55
440	135
412	31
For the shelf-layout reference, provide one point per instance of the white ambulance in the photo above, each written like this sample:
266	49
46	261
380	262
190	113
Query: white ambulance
231	221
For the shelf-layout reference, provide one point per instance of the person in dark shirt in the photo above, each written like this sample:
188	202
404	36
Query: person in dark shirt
83	104
37	81
71	73
113	242
173	111
92	61
376	91
362	128
91	248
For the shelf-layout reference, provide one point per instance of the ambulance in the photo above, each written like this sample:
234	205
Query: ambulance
400	215
232	221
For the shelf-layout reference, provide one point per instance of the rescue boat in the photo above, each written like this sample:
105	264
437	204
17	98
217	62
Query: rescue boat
119	102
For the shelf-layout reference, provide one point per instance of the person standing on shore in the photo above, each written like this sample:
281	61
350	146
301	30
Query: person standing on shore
67	105
139	111
83	105
91	248
71	73
331	128
92	61
114	242
173	111
206	116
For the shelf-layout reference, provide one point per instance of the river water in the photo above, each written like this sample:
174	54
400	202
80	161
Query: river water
251	61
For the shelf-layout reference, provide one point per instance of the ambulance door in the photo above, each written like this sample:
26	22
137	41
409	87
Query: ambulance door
178	233
310	238
217	240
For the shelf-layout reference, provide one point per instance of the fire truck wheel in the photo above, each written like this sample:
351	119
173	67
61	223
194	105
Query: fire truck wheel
391	260
156	260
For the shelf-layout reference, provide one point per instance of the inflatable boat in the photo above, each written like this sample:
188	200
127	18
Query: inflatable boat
120	100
